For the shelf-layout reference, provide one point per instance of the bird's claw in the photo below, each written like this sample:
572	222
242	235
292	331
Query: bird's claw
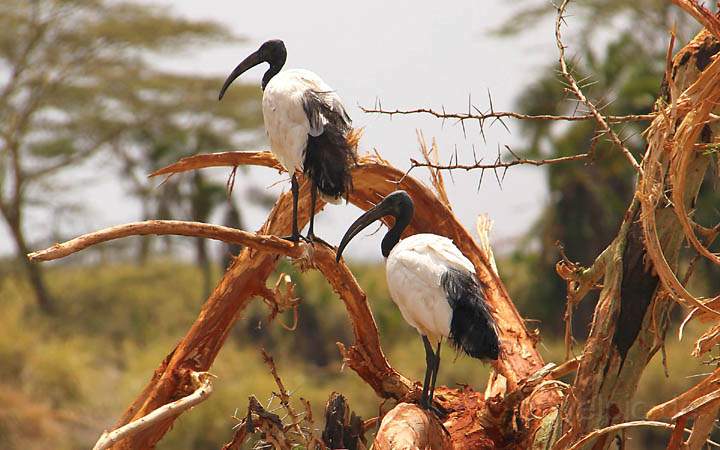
437	411
296	238
312	239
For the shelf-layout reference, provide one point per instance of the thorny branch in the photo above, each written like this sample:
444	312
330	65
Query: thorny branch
599	118
283	394
498	163
480	117
298	432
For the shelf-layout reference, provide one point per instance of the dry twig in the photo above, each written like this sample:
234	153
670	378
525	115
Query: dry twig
617	427
203	389
481	117
283	394
498	163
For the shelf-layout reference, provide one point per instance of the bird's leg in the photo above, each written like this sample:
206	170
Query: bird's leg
435	372
295	187
429	365
313	199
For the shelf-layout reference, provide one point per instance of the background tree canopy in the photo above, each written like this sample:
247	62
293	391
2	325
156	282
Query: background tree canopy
79	80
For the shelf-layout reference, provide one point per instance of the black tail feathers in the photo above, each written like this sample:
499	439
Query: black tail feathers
328	161
472	328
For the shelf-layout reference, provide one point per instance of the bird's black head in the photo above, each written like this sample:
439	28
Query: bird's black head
397	204
272	52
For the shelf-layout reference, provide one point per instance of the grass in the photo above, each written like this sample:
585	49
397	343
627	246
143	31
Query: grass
64	379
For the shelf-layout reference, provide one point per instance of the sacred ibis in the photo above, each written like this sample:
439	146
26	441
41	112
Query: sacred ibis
434	286
308	127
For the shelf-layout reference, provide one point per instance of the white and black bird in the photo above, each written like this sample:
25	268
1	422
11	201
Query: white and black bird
434	286
308	127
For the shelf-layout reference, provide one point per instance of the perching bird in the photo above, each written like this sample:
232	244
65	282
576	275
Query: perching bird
434	286
308	127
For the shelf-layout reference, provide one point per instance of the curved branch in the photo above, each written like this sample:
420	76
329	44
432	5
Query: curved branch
373	180
685	150
220	159
169	227
705	92
620	426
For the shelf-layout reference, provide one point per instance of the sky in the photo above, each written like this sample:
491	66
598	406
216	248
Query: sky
406	54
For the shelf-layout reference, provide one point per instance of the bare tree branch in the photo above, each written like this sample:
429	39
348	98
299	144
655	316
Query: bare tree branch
372	180
481	117
703	15
170	227
620	426
203	389
498	164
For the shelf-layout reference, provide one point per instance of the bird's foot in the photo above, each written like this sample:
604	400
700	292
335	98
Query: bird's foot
439	412
296	238
435	409
312	239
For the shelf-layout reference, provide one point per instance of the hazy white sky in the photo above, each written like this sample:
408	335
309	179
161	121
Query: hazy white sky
406	53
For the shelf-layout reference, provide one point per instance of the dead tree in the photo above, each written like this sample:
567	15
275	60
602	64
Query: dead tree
524	405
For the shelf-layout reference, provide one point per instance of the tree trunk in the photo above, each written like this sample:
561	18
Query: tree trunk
145	242
34	272
631	316
233	219
203	263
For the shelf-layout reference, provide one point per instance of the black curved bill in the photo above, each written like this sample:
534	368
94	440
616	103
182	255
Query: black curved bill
377	212
248	63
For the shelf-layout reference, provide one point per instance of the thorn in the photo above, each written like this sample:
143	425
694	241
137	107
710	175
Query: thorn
502	122
507	147
497	177
482	174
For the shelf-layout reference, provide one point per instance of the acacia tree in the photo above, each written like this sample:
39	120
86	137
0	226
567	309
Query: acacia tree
176	116
525	404
66	67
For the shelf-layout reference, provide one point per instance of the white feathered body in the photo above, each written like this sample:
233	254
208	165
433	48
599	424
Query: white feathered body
286	121
414	271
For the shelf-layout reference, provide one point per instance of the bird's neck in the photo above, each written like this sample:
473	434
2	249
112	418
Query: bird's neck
271	72
276	64
393	236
